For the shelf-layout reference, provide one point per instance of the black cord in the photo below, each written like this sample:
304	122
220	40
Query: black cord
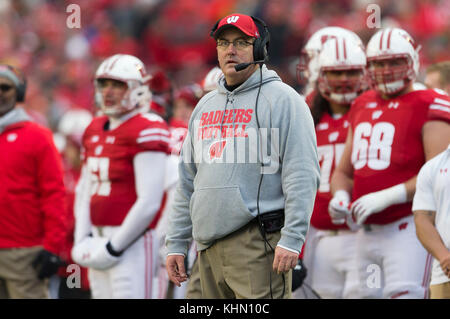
261	226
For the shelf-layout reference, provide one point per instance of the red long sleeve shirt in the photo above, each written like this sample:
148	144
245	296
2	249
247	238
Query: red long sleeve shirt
32	191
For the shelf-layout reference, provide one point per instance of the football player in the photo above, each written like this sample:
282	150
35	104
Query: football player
392	132
308	70
308	66
342	77
121	189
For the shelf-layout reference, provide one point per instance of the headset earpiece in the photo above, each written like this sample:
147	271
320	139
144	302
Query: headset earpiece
22	86
214	28
260	47
21	90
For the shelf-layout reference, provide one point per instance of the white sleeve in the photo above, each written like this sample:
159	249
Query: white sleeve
82	206
424	198
149	172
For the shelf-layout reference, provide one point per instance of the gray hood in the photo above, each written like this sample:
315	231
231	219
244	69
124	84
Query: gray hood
14	116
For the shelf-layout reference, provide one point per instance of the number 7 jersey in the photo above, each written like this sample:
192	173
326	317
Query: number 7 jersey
108	156
387	143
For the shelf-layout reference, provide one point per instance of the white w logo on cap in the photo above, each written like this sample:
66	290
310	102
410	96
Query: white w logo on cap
232	19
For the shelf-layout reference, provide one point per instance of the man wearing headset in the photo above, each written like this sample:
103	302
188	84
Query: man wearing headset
32	214
247	211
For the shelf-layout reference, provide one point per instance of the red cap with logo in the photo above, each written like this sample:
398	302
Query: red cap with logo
243	22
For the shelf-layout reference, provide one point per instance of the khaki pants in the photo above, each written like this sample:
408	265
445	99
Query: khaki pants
194	289
238	266
440	291
18	279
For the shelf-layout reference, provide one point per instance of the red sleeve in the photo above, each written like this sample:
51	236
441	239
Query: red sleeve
153	135
52	194
439	107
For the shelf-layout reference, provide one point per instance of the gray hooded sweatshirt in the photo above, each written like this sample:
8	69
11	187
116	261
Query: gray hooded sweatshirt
220	169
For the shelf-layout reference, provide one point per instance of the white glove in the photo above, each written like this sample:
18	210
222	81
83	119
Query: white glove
376	202
91	252
338	207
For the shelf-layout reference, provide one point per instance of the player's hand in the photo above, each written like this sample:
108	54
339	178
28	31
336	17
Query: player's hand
284	260
367	205
376	202
91	252
445	264
338	207
175	269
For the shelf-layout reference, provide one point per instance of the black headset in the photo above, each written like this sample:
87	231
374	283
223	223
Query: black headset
261	44
22	86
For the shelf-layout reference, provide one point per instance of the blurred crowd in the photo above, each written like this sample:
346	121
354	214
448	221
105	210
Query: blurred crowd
173	36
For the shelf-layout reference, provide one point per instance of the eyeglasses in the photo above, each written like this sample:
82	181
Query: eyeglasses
239	44
5	87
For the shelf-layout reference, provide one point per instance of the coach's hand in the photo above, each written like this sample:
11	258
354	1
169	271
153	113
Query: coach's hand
284	260
175	269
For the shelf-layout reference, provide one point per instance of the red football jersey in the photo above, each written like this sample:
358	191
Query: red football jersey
109	158
387	143
331	134
178	131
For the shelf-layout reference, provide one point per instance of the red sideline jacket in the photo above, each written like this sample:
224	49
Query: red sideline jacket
32	191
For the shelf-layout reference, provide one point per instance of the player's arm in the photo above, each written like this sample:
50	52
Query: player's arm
342	184
342	178
149	171
82	206
436	137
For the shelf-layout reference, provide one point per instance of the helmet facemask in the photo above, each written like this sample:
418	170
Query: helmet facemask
393	79
137	96
342	91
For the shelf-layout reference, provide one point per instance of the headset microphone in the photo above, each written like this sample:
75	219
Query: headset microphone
242	66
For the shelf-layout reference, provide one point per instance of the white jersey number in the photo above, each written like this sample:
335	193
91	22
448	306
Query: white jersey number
372	146
327	154
98	170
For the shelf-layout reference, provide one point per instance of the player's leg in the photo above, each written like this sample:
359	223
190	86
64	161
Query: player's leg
368	264
327	280
133	276
99	283
346	264
407	265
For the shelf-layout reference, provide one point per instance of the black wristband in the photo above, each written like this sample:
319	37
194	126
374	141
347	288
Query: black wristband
111	250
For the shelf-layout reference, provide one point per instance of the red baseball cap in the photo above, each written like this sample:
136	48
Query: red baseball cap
243	22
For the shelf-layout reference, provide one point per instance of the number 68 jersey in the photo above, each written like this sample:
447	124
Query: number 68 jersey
108	157
387	142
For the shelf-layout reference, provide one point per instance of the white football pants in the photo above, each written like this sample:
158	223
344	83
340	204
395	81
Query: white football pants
392	263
